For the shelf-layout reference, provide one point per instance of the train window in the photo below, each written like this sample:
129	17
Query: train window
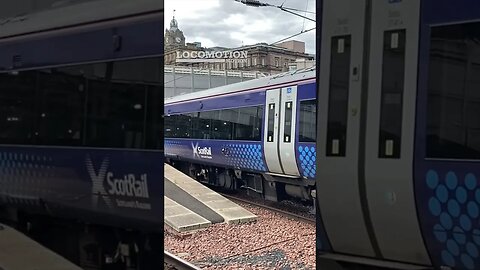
61	98
271	122
119	110
222	125
391	109
169	126
247	127
307	121
257	128
242	124
453	125
338	96
204	124
96	105
181	126
287	136
17	107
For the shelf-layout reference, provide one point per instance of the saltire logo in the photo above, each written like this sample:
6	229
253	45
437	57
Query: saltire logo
98	189
201	152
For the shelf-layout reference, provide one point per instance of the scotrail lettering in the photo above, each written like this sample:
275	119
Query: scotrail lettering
128	186
126	191
201	152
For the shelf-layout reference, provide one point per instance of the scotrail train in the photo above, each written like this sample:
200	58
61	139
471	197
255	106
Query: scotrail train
398	93
397	134
81	145
258	134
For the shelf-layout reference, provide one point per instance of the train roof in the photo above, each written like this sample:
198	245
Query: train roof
74	15
303	74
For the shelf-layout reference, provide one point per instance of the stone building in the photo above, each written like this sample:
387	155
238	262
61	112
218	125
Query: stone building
262	57
174	37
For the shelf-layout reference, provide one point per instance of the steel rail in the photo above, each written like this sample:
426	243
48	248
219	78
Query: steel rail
178	263
274	209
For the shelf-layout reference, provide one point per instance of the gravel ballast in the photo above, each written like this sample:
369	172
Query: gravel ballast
272	242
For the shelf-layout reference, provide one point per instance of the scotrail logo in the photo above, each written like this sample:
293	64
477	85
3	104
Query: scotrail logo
201	152
125	187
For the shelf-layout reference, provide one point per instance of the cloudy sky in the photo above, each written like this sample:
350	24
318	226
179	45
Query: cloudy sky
228	23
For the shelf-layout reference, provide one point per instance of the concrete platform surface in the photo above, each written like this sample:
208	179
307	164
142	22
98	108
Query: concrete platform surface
18	252
182	219
186	200
230	211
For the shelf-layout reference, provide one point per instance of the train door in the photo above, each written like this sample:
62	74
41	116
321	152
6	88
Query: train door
389	131
338	128
367	99
279	135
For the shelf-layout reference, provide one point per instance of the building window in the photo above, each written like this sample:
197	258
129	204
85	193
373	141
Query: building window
255	61
277	62
263	61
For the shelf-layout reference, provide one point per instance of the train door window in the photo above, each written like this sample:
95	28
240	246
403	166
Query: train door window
393	74
271	122
338	96
17	107
453	125
287	136
307	121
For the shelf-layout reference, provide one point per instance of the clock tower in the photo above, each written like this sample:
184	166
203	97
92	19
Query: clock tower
174	38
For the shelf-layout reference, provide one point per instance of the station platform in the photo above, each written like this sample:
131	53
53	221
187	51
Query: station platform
181	218
204	202
18	252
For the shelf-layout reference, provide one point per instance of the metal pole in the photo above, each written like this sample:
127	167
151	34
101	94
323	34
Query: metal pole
209	78
193	80
174	82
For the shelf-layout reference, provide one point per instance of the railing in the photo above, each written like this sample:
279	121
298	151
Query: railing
202	71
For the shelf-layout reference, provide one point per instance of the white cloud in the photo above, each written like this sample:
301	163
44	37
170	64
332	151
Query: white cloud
228	23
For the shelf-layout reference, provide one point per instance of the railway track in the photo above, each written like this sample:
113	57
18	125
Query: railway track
173	262
271	208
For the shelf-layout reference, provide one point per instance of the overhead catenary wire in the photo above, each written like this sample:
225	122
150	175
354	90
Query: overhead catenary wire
256	3
294	35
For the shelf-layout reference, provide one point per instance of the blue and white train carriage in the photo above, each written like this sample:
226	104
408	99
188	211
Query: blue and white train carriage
258	134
